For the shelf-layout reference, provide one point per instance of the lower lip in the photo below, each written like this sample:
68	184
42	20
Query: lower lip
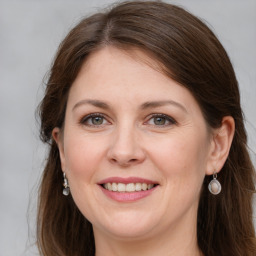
127	196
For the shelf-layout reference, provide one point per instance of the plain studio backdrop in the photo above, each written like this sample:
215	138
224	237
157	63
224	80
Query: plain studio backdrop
30	32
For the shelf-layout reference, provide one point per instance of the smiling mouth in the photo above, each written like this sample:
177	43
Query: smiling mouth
130	187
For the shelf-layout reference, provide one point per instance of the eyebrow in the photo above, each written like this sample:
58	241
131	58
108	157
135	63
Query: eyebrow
96	103
156	104
146	105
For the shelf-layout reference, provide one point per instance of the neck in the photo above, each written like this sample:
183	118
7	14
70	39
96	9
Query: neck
175	241
146	248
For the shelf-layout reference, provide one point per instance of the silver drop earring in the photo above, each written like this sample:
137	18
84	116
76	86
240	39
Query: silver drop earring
65	185
214	186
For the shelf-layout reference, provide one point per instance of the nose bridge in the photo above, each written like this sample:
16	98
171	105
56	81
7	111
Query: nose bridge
125	146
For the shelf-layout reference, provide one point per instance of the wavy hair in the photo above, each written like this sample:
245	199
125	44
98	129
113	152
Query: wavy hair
190	54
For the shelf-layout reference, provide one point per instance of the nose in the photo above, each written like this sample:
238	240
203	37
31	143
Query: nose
125	147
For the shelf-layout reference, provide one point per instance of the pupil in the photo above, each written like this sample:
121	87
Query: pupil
159	120
97	120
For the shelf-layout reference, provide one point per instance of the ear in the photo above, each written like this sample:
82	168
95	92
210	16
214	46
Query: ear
58	138
220	145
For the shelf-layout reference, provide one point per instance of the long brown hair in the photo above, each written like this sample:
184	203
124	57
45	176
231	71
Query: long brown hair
191	55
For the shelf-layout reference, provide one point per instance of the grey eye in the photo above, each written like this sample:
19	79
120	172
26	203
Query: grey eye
94	120
159	120
97	120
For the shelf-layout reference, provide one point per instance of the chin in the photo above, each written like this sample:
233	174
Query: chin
129	226
129	233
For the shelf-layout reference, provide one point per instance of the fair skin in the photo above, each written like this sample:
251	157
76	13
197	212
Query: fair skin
125	119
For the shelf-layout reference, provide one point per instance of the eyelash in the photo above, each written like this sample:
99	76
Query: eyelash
167	118
90	116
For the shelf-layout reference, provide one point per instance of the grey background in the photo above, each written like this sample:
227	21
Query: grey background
30	32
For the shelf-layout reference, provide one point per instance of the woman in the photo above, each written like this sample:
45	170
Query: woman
147	142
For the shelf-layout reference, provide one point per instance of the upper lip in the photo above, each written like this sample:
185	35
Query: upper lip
126	180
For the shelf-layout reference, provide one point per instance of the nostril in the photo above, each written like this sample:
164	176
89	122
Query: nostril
123	162
113	160
119	162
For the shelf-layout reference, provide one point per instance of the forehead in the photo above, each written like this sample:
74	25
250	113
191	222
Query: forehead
112	62
126	53
127	76
110	65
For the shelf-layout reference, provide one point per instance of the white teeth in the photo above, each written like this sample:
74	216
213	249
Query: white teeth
109	186
130	187
138	187
144	186
121	187
150	186
114	187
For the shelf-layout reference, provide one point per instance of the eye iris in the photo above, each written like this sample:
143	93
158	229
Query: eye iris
159	120
97	120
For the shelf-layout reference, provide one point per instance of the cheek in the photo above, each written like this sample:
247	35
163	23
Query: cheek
181	161
181	158
82	157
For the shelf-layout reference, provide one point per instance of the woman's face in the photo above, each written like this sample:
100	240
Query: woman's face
135	147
